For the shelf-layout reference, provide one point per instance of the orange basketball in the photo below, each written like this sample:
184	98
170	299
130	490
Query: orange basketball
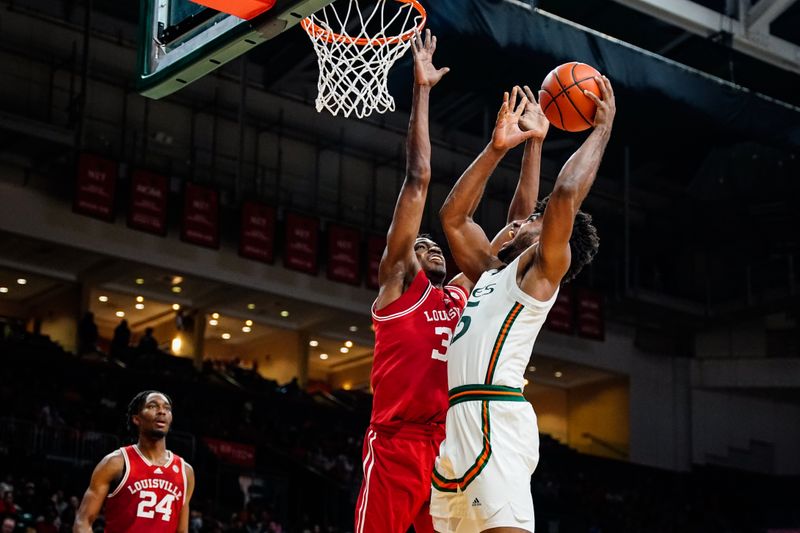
562	98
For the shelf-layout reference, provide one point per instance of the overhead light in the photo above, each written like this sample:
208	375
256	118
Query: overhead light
347	386
22	281
349	344
215	315
353	328
139	306
251	306
246	329
176	307
140	299
526	382
558	374
103	299
313	343
226	336
3	290
248	322
284	314
177	289
531	368
176	345
213	322
120	314
140	281
177	280
323	356
344	349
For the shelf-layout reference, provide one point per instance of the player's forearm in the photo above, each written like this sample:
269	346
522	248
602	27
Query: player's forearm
527	193
468	190
418	149
578	174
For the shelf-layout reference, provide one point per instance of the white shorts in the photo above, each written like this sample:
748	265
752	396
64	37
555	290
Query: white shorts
481	483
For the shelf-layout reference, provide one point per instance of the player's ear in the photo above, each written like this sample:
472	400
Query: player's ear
136	421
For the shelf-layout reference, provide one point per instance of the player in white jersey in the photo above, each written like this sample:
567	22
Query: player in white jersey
481	480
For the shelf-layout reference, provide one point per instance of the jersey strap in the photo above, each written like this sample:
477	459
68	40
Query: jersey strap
408	302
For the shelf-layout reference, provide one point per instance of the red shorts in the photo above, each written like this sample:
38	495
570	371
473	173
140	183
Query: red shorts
396	490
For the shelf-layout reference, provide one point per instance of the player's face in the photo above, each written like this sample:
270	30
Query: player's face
525	233
431	258
155	418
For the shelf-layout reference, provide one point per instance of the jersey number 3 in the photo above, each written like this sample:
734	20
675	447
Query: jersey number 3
446	334
146	506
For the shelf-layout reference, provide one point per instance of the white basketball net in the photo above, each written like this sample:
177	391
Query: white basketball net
357	49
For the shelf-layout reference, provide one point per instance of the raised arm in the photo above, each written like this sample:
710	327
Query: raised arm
552	258
108	471
399	264
469	245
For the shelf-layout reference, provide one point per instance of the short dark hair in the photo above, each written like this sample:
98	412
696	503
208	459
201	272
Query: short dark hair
135	407
424	236
583	243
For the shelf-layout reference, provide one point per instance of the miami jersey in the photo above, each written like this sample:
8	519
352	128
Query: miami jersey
149	498
412	334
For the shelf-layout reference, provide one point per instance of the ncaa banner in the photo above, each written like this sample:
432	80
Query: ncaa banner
148	203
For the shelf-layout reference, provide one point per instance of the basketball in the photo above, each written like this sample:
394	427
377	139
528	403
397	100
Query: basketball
562	99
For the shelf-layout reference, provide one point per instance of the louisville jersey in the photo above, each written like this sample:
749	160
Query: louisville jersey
412	334
149	498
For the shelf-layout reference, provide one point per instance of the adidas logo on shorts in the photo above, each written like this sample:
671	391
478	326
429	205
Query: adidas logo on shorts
476	502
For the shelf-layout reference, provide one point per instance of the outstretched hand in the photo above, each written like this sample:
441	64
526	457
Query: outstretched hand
507	132
607	107
425	74
533	118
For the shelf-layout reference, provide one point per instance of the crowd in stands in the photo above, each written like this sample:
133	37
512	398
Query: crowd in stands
308	448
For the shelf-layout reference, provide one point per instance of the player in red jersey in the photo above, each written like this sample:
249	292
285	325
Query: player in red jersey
146	488
414	316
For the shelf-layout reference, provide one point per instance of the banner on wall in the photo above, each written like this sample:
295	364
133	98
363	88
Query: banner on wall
589	309
376	244
561	316
148	203
200	216
302	239
95	187
257	239
344	254
232	452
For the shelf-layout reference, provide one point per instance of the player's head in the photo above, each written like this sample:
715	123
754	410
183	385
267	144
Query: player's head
583	243
430	256
150	414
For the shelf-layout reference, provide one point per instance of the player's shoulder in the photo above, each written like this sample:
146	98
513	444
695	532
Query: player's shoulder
113	463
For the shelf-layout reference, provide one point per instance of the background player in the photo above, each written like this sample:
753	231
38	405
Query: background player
414	316
146	487
481	481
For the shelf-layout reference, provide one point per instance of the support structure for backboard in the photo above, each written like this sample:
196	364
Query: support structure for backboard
168	63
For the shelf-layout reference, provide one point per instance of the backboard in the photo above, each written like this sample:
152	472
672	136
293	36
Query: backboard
180	41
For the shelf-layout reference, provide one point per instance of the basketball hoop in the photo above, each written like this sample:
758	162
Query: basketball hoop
356	47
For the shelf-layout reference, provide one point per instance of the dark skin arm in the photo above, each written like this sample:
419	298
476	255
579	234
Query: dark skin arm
183	522
106	474
469	244
399	264
551	258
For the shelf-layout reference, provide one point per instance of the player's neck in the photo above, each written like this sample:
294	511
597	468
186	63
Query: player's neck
154	450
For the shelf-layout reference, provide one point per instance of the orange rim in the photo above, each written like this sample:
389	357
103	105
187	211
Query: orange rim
328	36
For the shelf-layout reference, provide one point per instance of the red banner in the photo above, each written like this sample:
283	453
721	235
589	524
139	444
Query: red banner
95	186
591	323
344	254
233	452
200	216
148	207
302	238
257	239
375	247
561	316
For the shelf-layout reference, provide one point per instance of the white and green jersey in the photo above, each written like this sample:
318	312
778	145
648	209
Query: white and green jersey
492	343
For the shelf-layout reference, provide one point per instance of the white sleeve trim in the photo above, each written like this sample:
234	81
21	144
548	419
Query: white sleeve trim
399	314
521	296
124	476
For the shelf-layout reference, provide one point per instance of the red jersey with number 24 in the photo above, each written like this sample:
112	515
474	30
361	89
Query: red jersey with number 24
149	498
409	370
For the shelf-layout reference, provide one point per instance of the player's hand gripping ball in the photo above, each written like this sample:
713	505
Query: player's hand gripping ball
562	99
